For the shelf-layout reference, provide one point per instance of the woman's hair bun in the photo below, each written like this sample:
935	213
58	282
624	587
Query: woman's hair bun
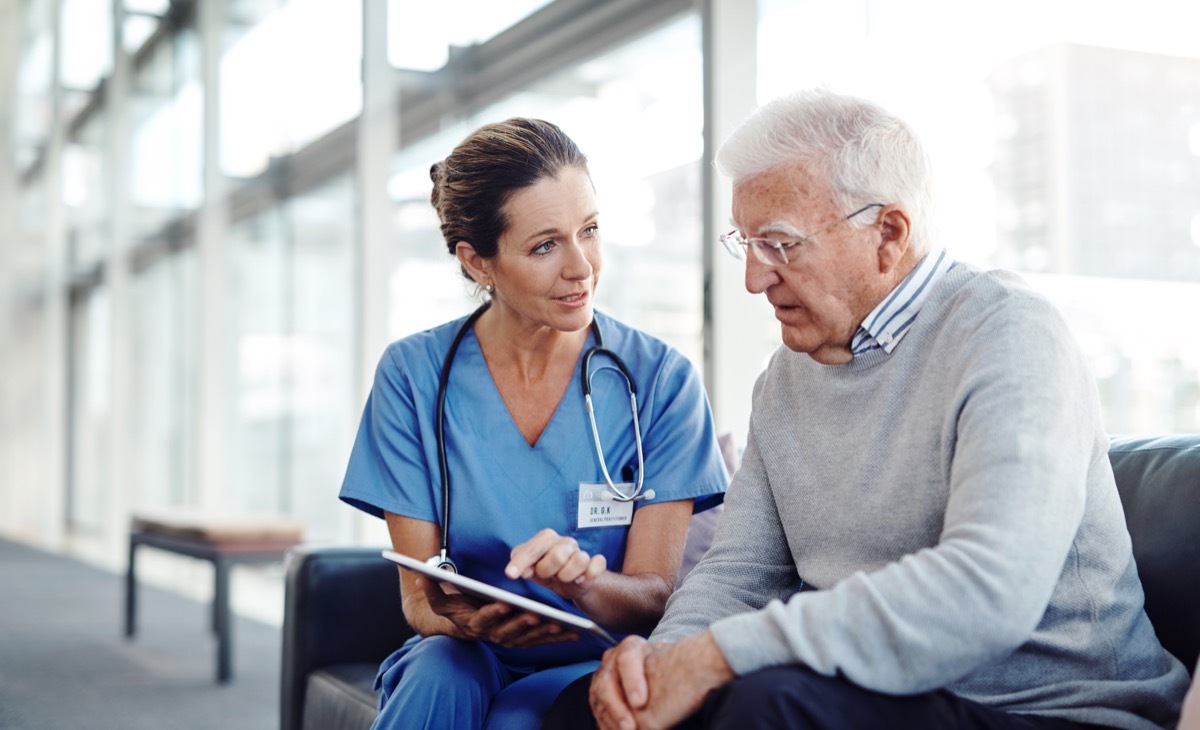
435	174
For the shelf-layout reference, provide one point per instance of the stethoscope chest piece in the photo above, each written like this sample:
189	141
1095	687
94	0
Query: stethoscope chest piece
442	561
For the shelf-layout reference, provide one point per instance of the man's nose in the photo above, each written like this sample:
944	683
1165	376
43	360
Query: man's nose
759	276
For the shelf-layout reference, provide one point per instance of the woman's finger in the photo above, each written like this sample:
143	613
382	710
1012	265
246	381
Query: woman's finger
524	556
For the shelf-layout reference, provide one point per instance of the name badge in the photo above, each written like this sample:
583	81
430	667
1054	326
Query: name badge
596	511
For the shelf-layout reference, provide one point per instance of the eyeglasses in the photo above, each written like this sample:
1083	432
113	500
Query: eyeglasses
772	252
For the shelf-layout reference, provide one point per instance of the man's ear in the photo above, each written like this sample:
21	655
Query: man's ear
476	266
894	241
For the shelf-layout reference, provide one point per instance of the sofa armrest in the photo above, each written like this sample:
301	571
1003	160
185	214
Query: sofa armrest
341	605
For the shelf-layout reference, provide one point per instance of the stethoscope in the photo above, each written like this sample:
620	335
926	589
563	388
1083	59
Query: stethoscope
442	559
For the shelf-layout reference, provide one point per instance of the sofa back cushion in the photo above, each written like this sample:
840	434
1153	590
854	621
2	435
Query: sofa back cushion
1159	482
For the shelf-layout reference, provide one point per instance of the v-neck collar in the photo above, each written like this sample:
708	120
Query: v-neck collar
565	432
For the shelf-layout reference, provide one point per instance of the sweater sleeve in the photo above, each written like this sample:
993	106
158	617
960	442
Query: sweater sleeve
747	565
1024	424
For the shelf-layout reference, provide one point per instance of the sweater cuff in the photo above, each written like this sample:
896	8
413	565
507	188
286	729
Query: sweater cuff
751	641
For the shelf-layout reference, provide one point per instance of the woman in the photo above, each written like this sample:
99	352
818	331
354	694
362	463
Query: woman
518	210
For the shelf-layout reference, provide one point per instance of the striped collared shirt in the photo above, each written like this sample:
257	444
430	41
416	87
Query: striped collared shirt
884	327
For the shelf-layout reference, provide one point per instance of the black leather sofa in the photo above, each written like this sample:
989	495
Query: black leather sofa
342	607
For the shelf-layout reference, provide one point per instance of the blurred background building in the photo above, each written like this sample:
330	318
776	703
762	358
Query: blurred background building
214	213
1096	172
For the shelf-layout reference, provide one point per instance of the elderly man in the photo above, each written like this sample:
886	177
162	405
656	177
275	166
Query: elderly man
925	532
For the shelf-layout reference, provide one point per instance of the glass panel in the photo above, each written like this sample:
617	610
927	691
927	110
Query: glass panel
33	84
295	407
162	414
137	28
425	287
28	256
166	115
86	51
150	7
261	359
1065	148
88	409
85	193
323	405
420	34
277	94
636	113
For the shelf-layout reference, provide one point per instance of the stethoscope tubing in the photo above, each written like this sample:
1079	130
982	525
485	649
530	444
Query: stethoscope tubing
440	433
585	375
443	558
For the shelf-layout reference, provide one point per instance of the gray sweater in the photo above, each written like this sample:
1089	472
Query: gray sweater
953	506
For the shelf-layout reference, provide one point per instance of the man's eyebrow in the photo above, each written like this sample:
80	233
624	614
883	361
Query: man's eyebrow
778	226
782	227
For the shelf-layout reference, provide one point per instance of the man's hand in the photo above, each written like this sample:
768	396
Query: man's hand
619	685
657	685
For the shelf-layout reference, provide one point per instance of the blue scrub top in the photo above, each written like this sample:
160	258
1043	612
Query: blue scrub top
502	490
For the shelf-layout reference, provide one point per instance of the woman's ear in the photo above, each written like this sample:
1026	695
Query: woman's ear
894	242
476	266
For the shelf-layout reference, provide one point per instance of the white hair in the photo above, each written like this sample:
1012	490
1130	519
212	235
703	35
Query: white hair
866	154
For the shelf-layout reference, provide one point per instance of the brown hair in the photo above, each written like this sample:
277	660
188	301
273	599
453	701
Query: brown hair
472	185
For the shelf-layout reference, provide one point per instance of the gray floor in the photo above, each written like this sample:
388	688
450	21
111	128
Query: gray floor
65	664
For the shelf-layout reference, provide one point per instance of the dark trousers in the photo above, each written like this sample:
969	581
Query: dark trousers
798	698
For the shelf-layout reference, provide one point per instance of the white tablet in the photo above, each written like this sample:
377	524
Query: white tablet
488	592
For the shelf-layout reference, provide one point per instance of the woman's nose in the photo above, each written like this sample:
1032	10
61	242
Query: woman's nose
579	266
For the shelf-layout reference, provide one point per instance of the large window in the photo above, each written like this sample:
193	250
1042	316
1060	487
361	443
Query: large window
291	350
290	75
636	113
89	396
1065	138
422	35
164	357
166	113
86	193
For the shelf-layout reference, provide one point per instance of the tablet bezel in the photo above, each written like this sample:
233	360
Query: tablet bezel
490	592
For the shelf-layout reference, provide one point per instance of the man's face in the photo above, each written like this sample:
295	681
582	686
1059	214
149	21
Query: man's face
831	281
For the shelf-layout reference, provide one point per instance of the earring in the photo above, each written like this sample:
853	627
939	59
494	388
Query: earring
488	288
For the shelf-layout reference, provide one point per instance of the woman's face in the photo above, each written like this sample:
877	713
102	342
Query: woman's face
549	257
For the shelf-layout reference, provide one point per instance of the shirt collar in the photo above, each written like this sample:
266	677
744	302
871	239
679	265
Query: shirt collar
891	319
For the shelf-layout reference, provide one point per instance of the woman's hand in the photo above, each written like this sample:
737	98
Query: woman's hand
556	562
491	620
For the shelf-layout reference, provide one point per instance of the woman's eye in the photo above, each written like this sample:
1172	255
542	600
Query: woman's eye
543	248
591	231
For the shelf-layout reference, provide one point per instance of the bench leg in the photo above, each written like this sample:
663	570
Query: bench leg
131	592
221	616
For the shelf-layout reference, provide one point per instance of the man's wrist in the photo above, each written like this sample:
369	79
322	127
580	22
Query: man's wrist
707	658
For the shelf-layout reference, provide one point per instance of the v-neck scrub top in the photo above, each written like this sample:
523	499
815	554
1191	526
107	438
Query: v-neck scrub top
502	490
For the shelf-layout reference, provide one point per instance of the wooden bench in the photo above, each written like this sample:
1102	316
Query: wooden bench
224	541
